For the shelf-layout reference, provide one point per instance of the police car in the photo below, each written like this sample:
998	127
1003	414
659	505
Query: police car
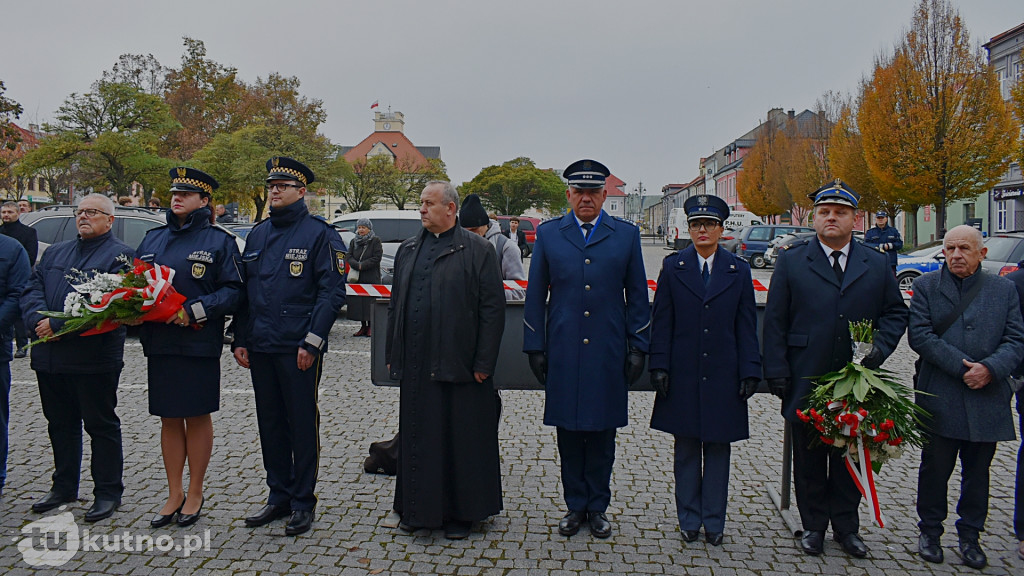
910	266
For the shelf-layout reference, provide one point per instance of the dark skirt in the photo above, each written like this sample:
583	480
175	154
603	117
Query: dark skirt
360	308
183	386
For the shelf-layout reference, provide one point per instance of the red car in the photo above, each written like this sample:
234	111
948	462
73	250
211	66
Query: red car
527	224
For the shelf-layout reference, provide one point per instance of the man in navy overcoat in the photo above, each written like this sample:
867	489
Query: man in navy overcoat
593	335
819	286
705	365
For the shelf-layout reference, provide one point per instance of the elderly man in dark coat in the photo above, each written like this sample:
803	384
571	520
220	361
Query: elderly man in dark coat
963	385
819	286
445	321
593	334
27	237
705	365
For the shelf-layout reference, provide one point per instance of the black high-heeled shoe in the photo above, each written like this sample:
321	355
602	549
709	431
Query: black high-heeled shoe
190	519
161	520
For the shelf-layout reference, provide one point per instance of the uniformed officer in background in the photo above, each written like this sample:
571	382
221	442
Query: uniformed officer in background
819	286
589	344
705	365
885	239
295	285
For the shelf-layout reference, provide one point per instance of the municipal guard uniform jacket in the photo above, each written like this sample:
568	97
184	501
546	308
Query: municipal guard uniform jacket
806	323
989	331
705	337
876	236
207	271
294	283
467	310
598	310
14	275
73	354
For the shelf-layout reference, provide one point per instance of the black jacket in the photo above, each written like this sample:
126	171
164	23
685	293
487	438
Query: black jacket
26	236
467	308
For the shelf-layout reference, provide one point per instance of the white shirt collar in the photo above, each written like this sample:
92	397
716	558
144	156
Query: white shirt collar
828	253
710	260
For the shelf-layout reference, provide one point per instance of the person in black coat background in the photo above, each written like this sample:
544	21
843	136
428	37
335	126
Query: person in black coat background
819	286
183	355
27	237
363	259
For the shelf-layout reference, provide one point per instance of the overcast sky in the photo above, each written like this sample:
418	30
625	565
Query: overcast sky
647	87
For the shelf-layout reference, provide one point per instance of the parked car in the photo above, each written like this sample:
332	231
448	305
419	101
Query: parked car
527	224
771	254
754	241
1005	251
921	261
388	225
57	223
242	229
731	239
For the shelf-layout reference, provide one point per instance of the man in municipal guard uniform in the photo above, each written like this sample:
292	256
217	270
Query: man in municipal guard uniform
295	285
705	365
885	239
588	345
819	286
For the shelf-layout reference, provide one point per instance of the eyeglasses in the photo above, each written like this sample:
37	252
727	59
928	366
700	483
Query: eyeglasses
281	187
709	225
90	212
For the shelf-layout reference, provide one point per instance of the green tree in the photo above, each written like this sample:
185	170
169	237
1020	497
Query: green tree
10	137
516	186
412	177
934	125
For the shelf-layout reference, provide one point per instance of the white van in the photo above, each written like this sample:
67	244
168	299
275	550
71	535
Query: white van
739	219
677	235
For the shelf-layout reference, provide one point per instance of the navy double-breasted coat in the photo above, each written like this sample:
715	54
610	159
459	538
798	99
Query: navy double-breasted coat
705	337
598	309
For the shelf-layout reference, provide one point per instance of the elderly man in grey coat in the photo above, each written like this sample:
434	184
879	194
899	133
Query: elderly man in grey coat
966	357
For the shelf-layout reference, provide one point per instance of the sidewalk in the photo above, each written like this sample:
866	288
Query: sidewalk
348	536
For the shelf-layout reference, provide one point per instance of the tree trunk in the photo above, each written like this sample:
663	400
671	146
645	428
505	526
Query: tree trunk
910	223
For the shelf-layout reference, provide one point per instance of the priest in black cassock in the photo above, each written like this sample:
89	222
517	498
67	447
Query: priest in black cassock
445	321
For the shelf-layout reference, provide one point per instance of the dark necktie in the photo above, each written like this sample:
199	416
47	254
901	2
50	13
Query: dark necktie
836	267
705	273
587	227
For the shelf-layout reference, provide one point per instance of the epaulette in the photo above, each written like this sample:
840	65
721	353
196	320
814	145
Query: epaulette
803	242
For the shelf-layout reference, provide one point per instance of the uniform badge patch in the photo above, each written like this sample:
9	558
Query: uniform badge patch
295	268
198	270
339	258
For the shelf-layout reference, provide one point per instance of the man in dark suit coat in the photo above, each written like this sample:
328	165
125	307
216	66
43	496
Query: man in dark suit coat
963	385
1018	493
593	335
819	287
27	237
705	365
514	233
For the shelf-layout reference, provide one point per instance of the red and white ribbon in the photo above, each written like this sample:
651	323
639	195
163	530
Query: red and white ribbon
864	477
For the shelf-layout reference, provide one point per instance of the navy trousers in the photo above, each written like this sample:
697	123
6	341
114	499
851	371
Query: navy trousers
587	459
5	414
69	401
938	458
289	424
825	492
702	483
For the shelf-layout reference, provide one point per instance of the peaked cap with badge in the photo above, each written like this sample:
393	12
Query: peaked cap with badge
184	179
705	206
836	192
586	174
285	168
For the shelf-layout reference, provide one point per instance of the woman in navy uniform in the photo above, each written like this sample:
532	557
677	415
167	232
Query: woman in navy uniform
184	354
705	365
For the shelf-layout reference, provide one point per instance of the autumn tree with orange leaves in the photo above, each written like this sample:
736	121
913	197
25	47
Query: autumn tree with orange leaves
934	125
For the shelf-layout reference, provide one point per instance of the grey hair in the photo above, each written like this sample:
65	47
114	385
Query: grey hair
448	191
977	240
10	204
108	204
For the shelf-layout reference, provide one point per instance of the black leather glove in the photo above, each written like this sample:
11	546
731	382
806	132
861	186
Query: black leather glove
659	381
634	366
748	387
778	386
873	360
539	366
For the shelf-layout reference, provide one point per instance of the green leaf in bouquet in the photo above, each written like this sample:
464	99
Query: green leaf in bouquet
877	383
845	386
861	388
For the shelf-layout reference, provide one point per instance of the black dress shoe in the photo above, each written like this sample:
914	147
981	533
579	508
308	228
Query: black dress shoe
300	522
190	519
101	509
267	514
407	528
20	353
690	535
852	544
813	542
571	522
50	501
161	520
457	530
714	538
600	527
930	548
972	554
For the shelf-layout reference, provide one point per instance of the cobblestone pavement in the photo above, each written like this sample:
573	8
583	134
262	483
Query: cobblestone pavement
350	535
